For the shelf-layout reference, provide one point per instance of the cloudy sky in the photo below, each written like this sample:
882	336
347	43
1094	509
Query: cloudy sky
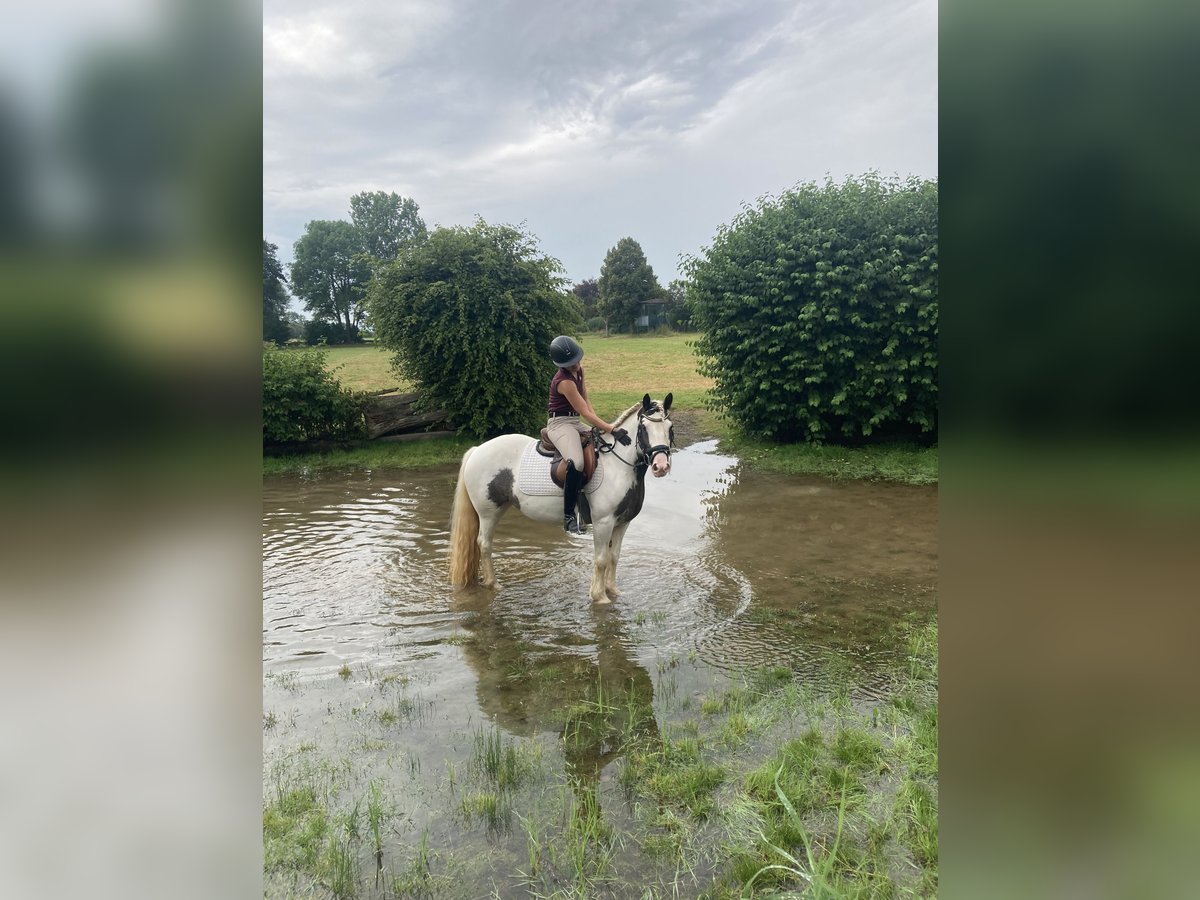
588	120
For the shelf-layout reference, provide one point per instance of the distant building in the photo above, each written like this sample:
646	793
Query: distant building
651	314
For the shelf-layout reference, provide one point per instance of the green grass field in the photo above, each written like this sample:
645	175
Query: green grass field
620	369
364	368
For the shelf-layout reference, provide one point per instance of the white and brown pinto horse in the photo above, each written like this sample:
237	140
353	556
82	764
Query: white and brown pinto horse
488	488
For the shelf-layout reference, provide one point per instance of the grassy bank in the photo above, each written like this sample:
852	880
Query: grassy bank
903	463
374	455
620	369
773	782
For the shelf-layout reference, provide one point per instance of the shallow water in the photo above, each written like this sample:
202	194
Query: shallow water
724	570
719	560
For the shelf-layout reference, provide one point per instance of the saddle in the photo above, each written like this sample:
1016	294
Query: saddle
558	465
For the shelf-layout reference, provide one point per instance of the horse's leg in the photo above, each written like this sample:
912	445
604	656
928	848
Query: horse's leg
614	558
488	519
601	535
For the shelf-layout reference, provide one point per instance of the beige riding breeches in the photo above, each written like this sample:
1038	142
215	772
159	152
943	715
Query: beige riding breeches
565	433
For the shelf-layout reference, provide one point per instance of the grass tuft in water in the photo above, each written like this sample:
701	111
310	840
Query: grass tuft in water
857	748
821	868
377	816
490	807
847	808
418	878
673	773
303	834
342	867
504	764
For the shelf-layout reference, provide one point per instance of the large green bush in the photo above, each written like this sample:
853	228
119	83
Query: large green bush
819	312
302	401
470	314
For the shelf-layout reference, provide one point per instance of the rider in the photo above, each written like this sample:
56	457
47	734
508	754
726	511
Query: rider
568	405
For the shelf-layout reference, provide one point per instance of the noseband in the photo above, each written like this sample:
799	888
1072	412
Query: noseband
646	453
644	441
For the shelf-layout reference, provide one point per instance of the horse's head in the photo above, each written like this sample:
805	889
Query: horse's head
656	436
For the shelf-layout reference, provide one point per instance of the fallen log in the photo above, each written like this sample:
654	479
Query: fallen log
399	421
381	405
396	413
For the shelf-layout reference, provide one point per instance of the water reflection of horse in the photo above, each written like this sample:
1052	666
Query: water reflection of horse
599	705
488	485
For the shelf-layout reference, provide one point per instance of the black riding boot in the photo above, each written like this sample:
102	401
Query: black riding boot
573	480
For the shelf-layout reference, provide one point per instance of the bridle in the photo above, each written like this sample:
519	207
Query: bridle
646	453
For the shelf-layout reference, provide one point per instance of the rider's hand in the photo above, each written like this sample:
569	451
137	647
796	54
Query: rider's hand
621	435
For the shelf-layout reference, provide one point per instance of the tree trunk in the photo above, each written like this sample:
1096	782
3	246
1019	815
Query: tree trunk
395	413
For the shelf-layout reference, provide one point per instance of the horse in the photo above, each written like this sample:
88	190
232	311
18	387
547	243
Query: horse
488	486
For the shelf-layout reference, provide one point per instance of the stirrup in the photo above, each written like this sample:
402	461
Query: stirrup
571	525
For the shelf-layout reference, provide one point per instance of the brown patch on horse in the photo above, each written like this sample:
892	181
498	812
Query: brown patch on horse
631	503
500	488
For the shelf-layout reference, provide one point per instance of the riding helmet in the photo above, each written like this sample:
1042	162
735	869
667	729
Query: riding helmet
565	351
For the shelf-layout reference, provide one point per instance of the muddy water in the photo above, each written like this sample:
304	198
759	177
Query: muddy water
737	568
371	659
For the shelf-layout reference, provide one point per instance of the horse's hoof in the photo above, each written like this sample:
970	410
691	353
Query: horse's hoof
602	601
612	593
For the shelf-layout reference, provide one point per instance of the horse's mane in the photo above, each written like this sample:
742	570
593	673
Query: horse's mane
629	412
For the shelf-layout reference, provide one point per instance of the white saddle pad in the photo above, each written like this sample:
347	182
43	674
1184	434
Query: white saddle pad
533	475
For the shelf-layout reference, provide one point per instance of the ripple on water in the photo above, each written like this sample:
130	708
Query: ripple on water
736	568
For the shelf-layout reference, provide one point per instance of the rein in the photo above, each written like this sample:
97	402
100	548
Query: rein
646	453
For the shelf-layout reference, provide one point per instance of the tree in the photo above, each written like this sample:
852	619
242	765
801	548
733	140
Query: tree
470	314
678	307
330	274
820	312
626	282
295	325
386	223
588	292
275	296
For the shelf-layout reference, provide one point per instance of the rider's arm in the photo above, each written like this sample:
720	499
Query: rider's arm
580	404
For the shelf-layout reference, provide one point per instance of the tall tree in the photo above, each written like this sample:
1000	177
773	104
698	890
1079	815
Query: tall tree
275	296
470	314
386	223
626	282
588	292
330	273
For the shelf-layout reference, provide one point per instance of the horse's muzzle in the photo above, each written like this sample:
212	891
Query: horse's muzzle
661	464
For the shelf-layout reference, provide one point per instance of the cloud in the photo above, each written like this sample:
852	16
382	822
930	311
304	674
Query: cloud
589	121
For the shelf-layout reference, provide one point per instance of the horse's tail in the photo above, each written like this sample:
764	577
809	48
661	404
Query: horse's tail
464	531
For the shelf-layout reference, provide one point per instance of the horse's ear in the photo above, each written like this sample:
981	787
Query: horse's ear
646	403
667	403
